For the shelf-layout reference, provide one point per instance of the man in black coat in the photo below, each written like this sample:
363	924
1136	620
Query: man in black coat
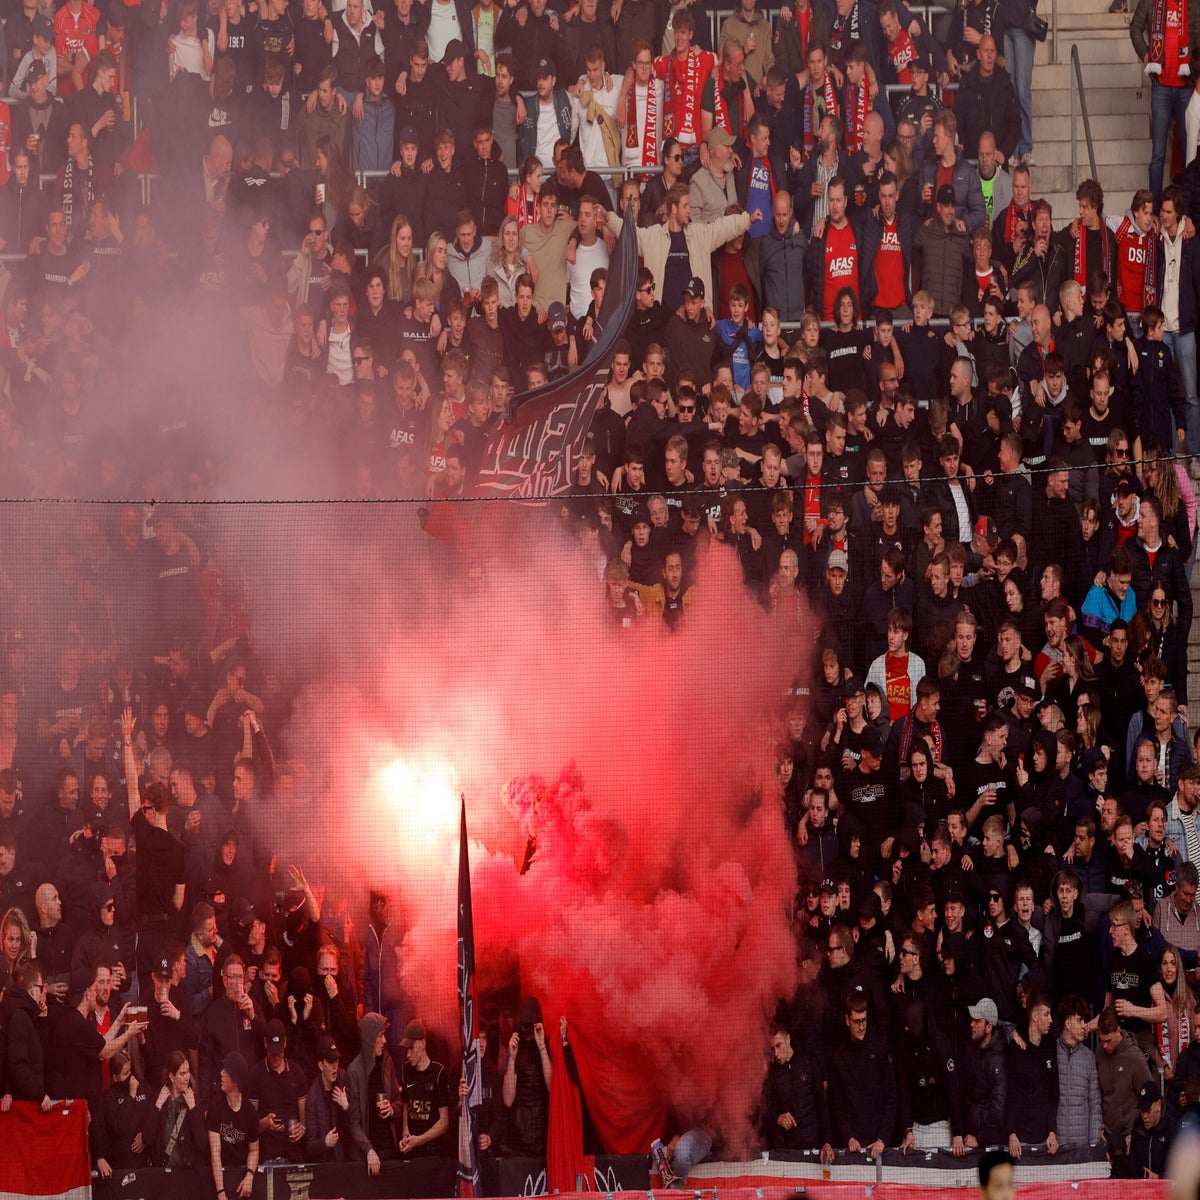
796	1106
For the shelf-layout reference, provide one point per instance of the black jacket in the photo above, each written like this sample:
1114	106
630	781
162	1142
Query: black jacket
1032	1102
986	1091
796	1087
862	1093
24	1047
486	187
988	104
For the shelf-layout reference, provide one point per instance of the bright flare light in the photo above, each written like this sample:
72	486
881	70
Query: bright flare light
424	803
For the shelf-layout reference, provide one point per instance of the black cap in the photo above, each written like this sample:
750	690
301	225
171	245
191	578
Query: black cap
327	1050
853	686
545	67
640	516
275	1035
454	49
37	69
162	967
94	818
42	27
945	194
694	288
1148	1096
1027	687
872	908
871	742
408	137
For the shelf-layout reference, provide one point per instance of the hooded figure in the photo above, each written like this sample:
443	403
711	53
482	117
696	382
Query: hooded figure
304	1020
370	1075
103	942
529	1111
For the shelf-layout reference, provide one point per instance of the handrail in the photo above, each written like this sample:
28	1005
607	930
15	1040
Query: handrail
1077	82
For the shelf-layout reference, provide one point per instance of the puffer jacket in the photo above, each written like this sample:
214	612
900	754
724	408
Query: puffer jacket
1078	1120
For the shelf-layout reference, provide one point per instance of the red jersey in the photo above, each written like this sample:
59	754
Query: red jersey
1132	248
900	54
889	268
73	34
841	264
899	687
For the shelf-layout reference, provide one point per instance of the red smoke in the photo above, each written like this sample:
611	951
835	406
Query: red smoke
655	912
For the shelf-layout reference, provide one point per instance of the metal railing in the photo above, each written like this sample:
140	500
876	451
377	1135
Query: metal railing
1077	85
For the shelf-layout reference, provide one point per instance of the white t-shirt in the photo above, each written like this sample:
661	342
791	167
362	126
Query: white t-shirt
339	362
591	135
579	275
443	28
547	132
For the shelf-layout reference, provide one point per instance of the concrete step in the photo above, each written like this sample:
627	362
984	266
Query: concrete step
1049	125
1108	46
1055	178
1108	153
1073	24
1120	73
1054	104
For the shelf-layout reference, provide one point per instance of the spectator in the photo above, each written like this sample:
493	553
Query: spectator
374	1097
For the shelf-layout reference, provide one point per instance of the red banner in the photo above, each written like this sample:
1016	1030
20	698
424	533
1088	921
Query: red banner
46	1154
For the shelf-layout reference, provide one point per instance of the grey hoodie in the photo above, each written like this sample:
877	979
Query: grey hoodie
358	1084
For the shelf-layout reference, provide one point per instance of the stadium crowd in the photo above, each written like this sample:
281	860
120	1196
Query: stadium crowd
950	438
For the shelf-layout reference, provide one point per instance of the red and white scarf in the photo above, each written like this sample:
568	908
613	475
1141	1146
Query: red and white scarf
1080	274
687	103
1163	1031
829	94
1012	214
857	103
649	143
721	109
1161	12
1149	261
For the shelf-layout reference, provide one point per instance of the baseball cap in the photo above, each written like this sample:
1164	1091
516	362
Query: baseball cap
42	27
1026	687
556	317
871	742
1148	1096
93	818
454	49
985	529
945	194
544	68
1126	486
37	69
694	288
327	1050
235	1066
408	137
854	684
641	516
162	967
243	912
985	1010
275	1035
837	561
919	64
414	1031
719	137
872	908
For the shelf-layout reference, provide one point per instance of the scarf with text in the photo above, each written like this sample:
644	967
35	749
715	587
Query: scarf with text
694	71
1080	273
844	33
1149	261
86	195
721	109
829	97
649	142
1163	1031
856	104
1169	50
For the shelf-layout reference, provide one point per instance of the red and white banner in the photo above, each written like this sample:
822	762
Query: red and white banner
45	1154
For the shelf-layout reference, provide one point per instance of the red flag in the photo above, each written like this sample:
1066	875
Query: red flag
46	1154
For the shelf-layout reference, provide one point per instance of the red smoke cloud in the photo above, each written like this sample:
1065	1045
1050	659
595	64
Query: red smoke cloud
655	912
